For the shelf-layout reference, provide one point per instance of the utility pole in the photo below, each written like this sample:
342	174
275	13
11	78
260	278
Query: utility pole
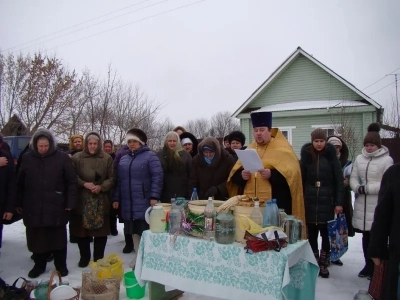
397	101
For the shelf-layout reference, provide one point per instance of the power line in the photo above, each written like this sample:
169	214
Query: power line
380	79
130	23
383	88
71	32
73	26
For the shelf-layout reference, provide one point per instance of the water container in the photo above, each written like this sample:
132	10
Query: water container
195	195
267	220
291	228
225	228
174	218
157	219
276	217
256	214
282	216
209	220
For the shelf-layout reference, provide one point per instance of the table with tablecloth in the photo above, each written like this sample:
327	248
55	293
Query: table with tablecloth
226	271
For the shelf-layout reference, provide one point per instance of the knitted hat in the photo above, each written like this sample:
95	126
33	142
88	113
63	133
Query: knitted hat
237	136
318	134
137	135
335	141
373	136
261	119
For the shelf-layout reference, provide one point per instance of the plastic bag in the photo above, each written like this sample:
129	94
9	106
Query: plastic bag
338	237
111	266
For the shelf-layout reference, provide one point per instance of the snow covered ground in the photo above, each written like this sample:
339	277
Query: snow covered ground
15	261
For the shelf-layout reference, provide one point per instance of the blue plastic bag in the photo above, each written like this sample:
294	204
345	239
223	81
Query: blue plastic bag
338	237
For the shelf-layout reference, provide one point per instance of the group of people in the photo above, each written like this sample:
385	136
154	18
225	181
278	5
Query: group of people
91	185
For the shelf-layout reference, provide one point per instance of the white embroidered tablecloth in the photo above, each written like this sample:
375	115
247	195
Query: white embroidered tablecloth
227	271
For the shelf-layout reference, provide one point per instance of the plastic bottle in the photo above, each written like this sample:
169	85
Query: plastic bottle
267	221
174	218
195	195
209	220
256	214
275	209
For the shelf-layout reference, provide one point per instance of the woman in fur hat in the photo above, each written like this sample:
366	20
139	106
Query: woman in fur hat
176	164
323	192
210	170
236	141
365	181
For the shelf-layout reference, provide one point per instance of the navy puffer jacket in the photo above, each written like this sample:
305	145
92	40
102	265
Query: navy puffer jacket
140	179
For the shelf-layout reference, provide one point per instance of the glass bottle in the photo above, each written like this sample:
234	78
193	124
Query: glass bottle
225	228
256	214
174	218
209	220
267	221
275	215
195	195
291	228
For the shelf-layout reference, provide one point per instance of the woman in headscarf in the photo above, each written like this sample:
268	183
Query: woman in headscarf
189	143
365	181
139	184
210	170
47	191
176	164
91	216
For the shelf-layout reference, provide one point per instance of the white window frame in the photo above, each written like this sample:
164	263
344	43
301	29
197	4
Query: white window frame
289	131
327	127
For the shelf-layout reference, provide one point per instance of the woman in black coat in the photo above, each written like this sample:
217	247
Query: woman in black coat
176	164
387	225
323	192
47	191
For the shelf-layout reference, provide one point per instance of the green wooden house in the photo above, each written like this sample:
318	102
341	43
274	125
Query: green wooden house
304	94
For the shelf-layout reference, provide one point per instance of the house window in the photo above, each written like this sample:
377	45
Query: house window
287	132
331	129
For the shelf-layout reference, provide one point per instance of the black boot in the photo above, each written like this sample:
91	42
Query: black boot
368	269
323	269
60	261
40	265
99	245
84	250
128	244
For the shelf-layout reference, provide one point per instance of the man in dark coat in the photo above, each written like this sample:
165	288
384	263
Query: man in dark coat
7	187
386	225
47	191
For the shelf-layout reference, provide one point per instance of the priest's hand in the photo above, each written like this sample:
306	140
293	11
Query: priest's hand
265	173
246	174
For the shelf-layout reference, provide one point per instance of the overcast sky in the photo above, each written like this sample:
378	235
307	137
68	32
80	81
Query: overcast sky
210	56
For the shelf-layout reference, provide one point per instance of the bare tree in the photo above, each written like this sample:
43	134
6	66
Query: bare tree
391	118
200	128
222	124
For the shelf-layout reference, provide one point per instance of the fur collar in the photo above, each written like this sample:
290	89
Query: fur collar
307	152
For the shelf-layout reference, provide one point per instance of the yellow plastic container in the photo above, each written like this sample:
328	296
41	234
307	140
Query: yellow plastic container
245	211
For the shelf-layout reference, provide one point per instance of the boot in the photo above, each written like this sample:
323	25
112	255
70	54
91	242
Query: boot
60	261
368	269
84	250
128	243
113	224
40	265
99	245
328	259
323	269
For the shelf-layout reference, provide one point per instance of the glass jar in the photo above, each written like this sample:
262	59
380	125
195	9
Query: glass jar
157	220
300	229
291	228
225	228
282	216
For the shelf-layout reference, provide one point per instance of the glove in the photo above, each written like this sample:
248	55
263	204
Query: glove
212	191
361	189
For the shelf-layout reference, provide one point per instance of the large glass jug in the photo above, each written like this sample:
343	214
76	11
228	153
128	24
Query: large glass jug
291	228
225	228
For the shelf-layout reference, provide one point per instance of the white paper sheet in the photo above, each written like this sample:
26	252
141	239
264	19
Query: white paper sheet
250	160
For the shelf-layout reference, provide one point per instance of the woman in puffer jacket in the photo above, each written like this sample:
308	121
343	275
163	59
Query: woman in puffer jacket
323	192
139	184
365	181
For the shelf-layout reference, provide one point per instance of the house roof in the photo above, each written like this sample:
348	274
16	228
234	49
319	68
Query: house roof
304	105
288	61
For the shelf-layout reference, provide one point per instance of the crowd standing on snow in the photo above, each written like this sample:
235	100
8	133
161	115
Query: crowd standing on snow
90	186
